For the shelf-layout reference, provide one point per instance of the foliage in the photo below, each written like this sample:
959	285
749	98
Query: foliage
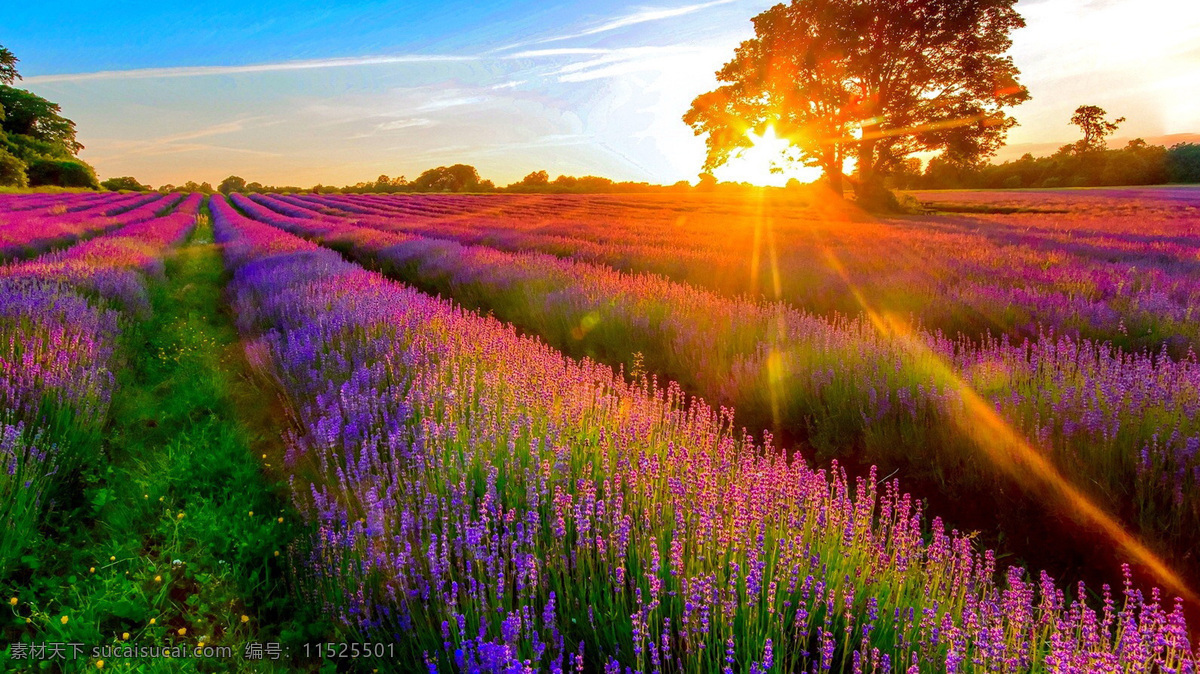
1183	163
456	178
28	148
34	135
383	184
539	181
12	170
28	114
62	172
232	184
193	186
534	179
1135	164
867	79
124	183
1090	120
8	67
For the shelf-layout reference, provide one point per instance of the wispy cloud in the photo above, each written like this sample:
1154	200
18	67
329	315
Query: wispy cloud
556	140
202	71
178	142
394	125
596	63
559	51
644	15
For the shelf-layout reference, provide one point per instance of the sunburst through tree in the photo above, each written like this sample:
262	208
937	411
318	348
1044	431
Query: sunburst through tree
869	80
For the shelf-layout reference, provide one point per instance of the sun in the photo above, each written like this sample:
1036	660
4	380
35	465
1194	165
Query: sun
763	163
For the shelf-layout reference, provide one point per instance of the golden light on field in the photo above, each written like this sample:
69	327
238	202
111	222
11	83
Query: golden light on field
764	163
1007	448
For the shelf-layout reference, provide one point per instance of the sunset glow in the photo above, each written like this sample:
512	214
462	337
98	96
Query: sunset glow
575	89
691	337
765	163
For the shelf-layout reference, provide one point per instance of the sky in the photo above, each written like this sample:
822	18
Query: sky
326	92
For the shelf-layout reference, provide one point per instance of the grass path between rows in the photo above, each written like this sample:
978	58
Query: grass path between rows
183	531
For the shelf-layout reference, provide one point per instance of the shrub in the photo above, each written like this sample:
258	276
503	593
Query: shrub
12	170
62	172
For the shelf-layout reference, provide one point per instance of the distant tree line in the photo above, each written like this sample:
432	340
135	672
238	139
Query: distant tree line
37	144
459	178
1087	162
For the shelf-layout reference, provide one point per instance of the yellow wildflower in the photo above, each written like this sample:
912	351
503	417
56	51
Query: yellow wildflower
63	620
245	618
13	601
182	631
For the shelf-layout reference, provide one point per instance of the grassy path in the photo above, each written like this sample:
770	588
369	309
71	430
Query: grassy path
182	535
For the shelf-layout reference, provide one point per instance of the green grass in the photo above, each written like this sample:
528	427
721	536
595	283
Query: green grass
180	533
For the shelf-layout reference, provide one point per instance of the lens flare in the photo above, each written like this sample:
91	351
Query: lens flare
1006	448
764	163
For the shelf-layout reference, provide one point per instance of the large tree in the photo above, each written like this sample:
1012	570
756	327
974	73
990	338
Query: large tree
232	184
1090	120
28	114
456	178
873	80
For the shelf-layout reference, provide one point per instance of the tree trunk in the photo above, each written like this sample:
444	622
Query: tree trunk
869	190
834	176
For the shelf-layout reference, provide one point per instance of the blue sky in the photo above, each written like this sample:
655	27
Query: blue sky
339	92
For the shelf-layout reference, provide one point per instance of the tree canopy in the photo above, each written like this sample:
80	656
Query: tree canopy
31	115
124	183
872	80
37	144
232	184
456	178
12	170
8	67
1090	120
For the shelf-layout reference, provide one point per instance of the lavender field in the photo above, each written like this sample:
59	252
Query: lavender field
609	433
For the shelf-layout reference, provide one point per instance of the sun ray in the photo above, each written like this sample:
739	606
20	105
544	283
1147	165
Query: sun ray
764	163
1006	448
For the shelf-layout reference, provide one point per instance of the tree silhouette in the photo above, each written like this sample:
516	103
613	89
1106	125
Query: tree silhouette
456	178
124	183
232	184
8	67
536	179
1090	120
876	80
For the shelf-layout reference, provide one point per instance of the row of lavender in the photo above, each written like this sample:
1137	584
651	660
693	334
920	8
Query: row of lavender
27	232
66	201
1125	427
1123	272
496	506
61	320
